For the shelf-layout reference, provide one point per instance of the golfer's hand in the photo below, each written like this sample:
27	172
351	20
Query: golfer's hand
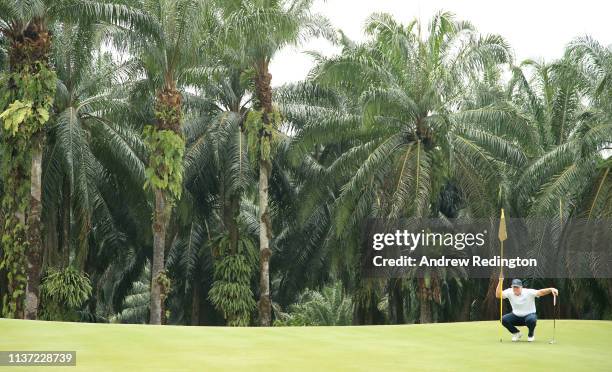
554	291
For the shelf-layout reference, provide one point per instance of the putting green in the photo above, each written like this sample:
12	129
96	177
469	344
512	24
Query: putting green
581	345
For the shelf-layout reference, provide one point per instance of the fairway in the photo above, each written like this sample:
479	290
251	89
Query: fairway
581	345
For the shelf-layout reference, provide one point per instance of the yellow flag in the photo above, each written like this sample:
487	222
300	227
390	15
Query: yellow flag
502	234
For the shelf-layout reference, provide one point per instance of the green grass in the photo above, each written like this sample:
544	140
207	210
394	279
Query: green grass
581	345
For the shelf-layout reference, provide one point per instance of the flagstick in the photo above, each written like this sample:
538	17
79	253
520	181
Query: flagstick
502	234
501	296
554	318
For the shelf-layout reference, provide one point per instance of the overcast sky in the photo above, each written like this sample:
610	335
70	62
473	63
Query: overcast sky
535	29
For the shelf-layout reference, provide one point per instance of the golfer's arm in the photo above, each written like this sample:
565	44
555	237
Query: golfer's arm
544	292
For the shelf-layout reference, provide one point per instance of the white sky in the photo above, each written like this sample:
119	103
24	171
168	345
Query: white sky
537	29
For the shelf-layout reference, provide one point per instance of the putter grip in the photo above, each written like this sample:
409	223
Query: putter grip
554	300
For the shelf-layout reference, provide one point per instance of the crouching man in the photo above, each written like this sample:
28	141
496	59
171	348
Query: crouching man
523	307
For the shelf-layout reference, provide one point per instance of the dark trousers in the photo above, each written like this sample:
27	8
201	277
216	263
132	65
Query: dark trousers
510	321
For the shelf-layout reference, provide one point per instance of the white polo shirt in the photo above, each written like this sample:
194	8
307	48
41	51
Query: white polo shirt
524	304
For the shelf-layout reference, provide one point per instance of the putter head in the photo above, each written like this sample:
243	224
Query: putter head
552	342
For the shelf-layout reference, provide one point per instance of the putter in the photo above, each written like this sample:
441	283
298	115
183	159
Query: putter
554	320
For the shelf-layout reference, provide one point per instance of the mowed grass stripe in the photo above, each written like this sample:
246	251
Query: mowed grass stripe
582	345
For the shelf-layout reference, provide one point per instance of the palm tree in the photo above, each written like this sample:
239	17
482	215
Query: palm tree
595	63
567	102
418	131
26	106
259	30
92	166
163	60
216	142
89	106
217	168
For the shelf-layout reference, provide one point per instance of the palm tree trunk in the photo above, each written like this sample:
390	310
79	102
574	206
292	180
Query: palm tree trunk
490	308
231	211
160	224
265	234
195	303
396	302
263	87
425	311
34	254
29	45
424	293
168	102
466	305
66	216
14	307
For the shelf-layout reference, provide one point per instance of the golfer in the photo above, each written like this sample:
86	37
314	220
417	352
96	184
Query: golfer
523	307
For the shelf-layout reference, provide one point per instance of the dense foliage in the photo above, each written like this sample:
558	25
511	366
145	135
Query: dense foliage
25	103
63	293
166	150
329	307
151	171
